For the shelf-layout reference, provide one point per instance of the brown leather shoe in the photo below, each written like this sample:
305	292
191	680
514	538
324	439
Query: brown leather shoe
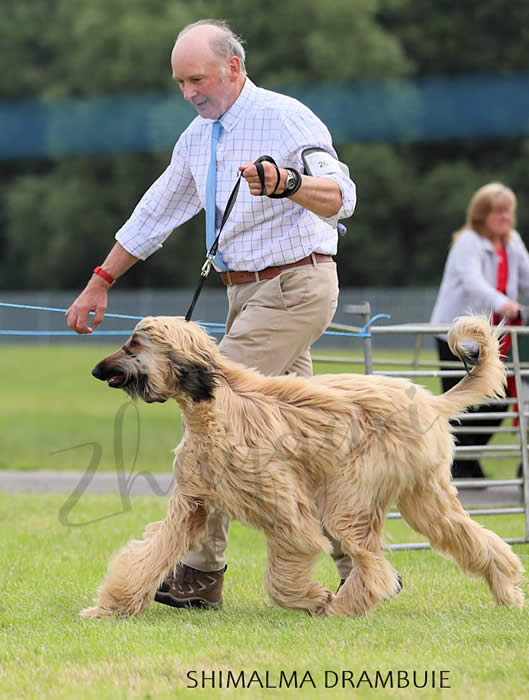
190	588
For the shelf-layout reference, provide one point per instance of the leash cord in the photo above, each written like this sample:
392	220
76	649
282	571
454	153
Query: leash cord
212	252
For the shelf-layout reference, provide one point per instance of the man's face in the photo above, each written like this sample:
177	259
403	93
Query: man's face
204	81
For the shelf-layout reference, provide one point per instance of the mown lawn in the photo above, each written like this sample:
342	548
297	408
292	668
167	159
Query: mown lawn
442	621
52	414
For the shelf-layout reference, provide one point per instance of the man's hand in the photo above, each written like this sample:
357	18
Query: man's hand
510	310
92	298
320	195
249	173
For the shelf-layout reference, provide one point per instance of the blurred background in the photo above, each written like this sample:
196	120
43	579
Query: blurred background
426	102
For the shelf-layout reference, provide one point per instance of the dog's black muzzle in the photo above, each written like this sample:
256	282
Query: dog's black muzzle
135	386
113	376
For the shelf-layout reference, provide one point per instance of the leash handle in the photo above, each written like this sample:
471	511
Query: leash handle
260	172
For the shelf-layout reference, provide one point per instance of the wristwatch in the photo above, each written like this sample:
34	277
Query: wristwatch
290	182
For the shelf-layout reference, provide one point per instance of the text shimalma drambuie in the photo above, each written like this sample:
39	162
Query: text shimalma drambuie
324	679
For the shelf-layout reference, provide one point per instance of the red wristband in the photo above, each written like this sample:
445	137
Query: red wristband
108	278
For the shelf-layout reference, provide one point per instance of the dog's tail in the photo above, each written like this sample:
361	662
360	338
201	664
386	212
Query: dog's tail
487	379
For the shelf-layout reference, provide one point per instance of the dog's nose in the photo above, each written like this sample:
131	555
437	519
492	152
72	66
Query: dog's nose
97	372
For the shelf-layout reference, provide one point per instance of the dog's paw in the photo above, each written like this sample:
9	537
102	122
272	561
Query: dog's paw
322	607
96	613
397	587
511	596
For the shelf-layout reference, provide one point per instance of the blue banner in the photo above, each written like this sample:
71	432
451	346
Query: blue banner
430	109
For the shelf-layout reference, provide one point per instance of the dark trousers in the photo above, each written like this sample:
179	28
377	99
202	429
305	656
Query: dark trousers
468	468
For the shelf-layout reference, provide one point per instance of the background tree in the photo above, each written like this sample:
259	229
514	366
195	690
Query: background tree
58	215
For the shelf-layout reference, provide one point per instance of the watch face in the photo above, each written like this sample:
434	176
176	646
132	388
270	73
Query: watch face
290	181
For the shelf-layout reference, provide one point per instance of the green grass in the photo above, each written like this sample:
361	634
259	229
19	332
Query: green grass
442	620
51	414
53	411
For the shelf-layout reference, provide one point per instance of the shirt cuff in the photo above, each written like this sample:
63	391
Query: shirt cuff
348	190
140	248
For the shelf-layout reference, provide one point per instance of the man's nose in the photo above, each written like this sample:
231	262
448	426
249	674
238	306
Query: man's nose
189	91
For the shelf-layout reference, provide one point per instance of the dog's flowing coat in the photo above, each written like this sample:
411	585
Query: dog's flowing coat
286	454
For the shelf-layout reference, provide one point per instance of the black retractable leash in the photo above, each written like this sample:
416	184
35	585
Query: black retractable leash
212	252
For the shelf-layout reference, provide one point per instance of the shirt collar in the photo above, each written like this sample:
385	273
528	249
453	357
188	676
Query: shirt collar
230	119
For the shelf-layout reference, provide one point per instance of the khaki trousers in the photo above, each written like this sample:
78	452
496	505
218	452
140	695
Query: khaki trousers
270	327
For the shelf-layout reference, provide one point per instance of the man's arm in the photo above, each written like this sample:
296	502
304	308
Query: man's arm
320	195
170	201
94	296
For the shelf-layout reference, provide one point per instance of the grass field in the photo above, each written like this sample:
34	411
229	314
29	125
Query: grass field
51	415
441	621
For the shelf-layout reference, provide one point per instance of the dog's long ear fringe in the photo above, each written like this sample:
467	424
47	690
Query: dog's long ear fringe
196	380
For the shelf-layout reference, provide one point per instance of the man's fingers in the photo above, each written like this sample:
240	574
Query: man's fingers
250	174
77	319
98	316
79	323
90	301
248	169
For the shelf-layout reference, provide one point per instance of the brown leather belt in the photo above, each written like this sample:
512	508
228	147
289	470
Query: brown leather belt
268	273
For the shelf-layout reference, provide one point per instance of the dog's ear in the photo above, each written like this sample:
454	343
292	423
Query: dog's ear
195	379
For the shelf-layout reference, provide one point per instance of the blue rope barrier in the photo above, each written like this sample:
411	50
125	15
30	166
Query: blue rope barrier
371	320
214	327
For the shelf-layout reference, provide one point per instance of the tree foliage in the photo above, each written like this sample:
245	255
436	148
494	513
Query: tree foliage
58	217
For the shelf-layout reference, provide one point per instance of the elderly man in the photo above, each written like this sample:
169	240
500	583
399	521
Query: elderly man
274	253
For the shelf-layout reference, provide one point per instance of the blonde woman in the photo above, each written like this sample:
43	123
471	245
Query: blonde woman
486	269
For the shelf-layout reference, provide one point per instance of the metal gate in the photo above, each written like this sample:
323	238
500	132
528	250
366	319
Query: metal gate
516	408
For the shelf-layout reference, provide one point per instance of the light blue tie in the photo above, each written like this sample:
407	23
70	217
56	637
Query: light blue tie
211	193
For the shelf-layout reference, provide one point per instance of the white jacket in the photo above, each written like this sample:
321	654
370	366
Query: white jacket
470	275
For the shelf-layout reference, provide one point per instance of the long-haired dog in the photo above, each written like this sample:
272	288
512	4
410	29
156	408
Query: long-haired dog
286	455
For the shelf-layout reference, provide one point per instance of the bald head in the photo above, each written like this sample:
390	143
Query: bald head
222	40
210	76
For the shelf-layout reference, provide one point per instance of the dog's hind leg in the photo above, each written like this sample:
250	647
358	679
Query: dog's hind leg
372	578
435	511
288	580
138	570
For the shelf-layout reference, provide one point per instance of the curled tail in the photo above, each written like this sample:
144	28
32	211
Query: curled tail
487	379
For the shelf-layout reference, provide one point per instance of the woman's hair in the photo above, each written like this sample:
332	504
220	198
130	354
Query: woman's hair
225	44
483	201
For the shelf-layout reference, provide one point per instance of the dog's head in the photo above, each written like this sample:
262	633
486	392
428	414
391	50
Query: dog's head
165	357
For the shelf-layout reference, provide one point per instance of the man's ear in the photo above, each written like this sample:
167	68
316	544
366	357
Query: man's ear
195	379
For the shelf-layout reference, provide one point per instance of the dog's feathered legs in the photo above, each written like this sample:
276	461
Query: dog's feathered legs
436	512
288	580
139	569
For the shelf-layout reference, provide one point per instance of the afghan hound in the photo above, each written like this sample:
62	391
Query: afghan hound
287	455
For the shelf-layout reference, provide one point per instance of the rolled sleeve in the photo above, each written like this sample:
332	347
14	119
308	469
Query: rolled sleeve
307	131
348	190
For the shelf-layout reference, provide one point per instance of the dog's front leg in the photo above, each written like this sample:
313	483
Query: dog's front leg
139	568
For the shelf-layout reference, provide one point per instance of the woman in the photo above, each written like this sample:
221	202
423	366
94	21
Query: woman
487	267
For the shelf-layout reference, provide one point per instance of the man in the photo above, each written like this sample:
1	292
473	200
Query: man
274	252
